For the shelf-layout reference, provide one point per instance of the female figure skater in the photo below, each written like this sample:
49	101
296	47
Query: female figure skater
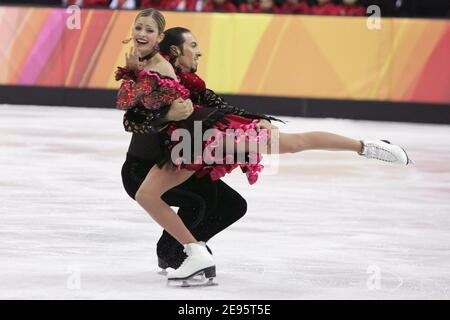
147	96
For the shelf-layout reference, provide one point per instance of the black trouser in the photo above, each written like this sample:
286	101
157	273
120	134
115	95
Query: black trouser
206	207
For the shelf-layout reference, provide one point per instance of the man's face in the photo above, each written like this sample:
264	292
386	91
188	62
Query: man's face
188	59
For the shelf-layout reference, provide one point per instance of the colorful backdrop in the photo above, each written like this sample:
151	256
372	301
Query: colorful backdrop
251	54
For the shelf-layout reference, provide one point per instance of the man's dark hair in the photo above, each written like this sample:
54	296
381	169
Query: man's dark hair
173	37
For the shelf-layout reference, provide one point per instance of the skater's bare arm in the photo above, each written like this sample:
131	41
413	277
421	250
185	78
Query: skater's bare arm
179	110
265	124
132	60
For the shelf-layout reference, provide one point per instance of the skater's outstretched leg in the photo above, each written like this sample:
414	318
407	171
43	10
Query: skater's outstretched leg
317	140
320	140
297	142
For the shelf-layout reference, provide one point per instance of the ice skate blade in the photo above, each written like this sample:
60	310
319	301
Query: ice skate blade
209	272
202	278
408	159
191	283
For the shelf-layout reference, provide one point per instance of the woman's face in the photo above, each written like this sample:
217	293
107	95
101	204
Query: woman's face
146	35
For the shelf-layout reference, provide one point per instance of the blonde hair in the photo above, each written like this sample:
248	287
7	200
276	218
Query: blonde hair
156	15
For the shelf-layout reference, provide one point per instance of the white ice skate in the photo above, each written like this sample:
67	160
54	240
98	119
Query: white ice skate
385	151
198	262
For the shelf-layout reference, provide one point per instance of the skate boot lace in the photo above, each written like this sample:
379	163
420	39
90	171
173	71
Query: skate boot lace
379	153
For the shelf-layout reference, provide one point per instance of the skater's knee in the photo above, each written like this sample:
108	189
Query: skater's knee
140	197
146	195
240	209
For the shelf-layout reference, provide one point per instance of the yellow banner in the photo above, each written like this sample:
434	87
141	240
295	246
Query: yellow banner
251	54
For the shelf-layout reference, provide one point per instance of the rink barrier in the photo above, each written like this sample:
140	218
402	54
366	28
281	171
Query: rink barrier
282	106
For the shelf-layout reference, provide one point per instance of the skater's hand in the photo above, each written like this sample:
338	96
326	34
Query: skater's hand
132	60
264	124
180	110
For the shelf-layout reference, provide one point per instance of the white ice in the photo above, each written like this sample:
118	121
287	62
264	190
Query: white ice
328	225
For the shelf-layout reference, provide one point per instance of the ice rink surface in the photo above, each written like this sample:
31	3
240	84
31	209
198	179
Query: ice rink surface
328	225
